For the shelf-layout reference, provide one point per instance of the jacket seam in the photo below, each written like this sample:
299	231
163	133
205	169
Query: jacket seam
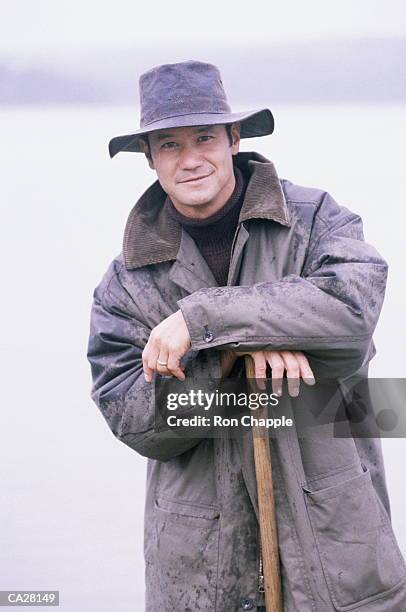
190	269
339	493
350	216
183	502
132	318
329	228
293	527
321	338
114	274
327	474
223	462
302	202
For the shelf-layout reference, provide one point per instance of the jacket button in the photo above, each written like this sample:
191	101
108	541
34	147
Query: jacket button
208	336
247	603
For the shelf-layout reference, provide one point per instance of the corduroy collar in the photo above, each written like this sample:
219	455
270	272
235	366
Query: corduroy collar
152	236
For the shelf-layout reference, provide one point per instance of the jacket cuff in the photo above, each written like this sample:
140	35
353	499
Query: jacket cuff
203	320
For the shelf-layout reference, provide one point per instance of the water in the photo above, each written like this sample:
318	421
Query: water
72	499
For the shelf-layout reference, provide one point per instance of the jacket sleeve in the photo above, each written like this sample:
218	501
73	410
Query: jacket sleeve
127	402
330	310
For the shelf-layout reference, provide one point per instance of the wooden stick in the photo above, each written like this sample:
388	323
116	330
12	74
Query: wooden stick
266	505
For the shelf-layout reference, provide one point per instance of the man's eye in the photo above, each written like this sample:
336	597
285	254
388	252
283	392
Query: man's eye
168	145
205	138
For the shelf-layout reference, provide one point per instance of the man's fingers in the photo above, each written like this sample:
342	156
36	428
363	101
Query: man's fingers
171	340
278	368
260	369
292	372
174	366
294	362
305	369
149	357
162	358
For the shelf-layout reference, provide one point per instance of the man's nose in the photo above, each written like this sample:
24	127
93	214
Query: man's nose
190	158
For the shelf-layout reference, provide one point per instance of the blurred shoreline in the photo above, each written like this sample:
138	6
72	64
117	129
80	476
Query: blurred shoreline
346	70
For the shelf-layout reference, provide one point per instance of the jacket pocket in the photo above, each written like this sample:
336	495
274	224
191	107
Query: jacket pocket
182	569
182	511
359	554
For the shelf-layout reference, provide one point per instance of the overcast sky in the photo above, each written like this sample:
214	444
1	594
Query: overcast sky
65	25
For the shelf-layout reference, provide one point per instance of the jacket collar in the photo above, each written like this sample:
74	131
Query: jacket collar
152	236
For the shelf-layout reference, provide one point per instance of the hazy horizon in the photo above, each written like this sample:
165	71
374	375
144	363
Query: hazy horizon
345	70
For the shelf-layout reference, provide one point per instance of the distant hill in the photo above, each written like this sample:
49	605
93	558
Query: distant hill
349	71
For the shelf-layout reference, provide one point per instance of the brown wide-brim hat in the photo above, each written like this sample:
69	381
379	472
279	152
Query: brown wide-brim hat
186	94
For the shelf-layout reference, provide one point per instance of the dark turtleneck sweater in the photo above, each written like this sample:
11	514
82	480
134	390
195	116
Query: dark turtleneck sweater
214	235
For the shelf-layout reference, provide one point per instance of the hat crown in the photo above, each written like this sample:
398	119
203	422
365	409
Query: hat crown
184	88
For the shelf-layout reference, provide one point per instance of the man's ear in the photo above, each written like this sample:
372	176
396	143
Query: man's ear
147	152
235	133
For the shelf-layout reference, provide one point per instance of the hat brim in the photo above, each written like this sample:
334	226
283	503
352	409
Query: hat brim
253	123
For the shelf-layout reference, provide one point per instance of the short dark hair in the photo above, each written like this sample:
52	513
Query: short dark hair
226	125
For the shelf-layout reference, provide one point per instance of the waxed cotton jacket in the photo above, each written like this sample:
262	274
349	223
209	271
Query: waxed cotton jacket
301	277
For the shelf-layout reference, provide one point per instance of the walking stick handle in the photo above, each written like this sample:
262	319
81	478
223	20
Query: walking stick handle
266	505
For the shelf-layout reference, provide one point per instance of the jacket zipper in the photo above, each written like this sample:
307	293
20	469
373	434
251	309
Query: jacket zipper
261	584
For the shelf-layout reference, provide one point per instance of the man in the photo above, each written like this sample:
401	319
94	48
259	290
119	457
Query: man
221	258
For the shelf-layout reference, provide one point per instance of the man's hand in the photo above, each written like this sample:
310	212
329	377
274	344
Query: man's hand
166	345
294	362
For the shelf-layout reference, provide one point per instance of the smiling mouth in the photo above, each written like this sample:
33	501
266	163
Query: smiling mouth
195	180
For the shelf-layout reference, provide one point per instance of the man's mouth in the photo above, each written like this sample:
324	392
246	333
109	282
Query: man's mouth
195	180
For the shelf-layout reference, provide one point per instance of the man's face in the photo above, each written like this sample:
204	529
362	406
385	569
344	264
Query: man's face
195	166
